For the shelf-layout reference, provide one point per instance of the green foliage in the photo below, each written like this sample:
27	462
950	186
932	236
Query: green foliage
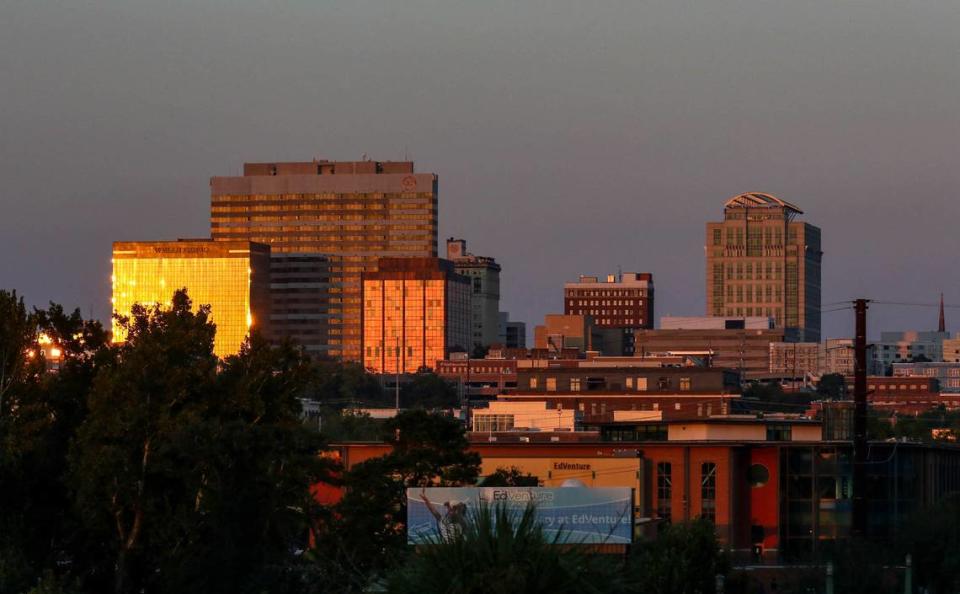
368	531
509	477
932	537
345	425
345	384
430	391
190	478
832	386
764	392
500	551
684	559
18	332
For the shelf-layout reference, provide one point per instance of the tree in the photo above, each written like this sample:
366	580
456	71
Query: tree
428	390
500	551
932	537
123	466
832	386
369	529
683	559
18	331
509	477
190	479
37	526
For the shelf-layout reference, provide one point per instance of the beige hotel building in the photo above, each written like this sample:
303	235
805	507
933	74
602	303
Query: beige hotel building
762	261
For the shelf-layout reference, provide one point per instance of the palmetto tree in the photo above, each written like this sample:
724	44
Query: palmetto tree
498	550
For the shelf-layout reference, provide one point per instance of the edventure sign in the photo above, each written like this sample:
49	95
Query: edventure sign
579	515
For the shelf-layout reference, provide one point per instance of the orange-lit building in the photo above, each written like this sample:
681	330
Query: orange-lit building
415	310
233	278
773	488
349	212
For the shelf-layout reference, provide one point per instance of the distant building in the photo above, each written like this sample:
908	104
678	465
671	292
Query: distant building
948	374
623	302
838	357
566	331
232	277
744	350
903	347
795	359
350	212
302	288
522	416
716	323
415	311
484	275
510	334
951	350
761	261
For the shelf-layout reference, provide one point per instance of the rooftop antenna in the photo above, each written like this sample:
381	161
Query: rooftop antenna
619	274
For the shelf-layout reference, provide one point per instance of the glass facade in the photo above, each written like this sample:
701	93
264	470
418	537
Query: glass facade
414	313
232	278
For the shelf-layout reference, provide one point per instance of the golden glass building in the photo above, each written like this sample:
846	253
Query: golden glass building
346	215
233	278
415	311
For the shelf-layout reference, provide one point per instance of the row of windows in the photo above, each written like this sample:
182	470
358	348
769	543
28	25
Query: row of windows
605	293
776	313
741	271
228	198
746	293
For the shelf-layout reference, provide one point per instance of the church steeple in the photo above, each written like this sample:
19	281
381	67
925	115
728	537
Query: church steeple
942	326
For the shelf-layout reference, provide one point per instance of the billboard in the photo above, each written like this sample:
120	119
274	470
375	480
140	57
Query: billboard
578	514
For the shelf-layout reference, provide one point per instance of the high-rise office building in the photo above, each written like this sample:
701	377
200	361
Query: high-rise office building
232	277
619	302
350	213
484	275
761	261
415	311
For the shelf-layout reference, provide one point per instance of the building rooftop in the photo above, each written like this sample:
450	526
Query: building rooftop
760	200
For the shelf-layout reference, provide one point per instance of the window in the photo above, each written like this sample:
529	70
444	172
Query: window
708	491
716	237
779	433
684	384
551	384
664	489
488	423
533	382
575	384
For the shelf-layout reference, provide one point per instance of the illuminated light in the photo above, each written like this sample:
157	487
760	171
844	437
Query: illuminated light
43	338
249	320
113	278
55	353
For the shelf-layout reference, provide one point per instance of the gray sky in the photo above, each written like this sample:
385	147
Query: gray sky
570	137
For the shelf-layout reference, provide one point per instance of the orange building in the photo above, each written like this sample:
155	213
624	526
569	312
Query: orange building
415	310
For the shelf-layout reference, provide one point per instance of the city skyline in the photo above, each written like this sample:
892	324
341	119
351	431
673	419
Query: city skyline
627	142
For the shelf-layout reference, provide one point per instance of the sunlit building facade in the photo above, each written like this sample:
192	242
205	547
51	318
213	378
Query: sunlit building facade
350	212
231	277
416	310
762	261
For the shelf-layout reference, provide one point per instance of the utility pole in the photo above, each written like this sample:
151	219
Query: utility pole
397	382
860	420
